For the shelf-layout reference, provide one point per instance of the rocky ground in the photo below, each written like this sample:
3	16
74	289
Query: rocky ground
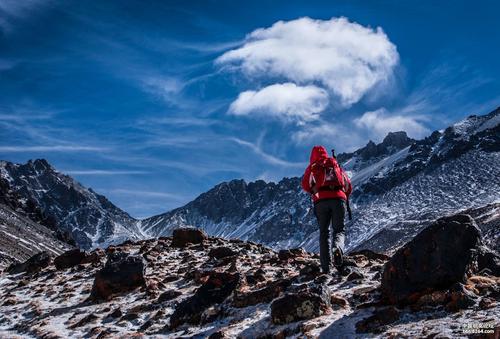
190	285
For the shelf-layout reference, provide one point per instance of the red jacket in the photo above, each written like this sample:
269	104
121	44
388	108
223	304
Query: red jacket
318	153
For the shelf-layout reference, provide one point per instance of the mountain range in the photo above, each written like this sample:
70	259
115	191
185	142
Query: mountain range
400	186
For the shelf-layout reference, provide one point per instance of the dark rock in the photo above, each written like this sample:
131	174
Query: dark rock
34	264
438	257
376	323
488	259
311	270
221	252
291	253
122	273
349	262
117	313
215	290
168	295
69	259
355	274
369	254
94	257
85	320
339	301
183	236
218	335
263	295
311	302
130	316
460	298
487	303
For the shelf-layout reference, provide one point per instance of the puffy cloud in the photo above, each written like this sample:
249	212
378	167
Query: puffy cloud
286	101
380	122
345	57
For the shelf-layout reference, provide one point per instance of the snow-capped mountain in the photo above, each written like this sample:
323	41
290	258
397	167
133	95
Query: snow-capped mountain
88	217
25	230
399	184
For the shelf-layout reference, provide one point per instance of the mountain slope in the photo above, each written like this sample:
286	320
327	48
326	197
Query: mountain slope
400	181
90	218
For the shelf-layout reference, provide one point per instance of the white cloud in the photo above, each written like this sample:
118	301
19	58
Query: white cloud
345	57
287	101
381	122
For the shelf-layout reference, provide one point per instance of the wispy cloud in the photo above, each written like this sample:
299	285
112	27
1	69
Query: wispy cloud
55	148
102	172
141	193
271	159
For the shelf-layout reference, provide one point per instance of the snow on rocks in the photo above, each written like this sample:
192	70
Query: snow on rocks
188	293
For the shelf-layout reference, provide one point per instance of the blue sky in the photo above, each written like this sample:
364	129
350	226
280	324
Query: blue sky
152	103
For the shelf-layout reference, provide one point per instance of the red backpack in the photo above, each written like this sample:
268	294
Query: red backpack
327	173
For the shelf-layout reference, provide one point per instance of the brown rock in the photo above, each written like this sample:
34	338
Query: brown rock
69	259
183	236
122	273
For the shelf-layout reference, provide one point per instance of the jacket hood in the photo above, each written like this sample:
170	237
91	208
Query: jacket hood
317	153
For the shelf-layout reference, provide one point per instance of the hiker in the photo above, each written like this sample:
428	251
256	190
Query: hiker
330	188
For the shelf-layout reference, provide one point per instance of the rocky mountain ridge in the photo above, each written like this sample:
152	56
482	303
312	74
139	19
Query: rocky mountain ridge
398	182
89	218
401	185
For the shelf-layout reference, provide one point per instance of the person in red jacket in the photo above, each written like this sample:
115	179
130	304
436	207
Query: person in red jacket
329	204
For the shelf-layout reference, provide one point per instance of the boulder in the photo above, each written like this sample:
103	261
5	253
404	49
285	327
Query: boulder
121	273
183	236
34	264
214	291
69	259
306	303
221	252
438	257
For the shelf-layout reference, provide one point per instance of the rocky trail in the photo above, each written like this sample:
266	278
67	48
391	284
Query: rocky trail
441	284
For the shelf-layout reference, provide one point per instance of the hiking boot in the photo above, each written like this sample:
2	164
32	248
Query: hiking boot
338	259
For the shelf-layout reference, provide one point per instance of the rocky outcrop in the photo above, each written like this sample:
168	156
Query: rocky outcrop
34	264
199	291
122	273
437	258
306	303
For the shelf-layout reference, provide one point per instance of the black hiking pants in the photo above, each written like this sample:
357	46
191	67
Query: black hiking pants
330	214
